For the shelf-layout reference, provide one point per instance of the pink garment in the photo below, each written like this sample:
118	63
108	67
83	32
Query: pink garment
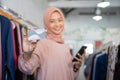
47	15
14	45
52	60
19	37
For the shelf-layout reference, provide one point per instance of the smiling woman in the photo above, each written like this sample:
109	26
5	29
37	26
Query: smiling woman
51	57
54	24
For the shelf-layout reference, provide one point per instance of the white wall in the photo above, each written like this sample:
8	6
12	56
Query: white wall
84	28
27	9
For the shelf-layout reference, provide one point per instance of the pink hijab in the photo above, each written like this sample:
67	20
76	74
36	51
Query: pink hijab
58	38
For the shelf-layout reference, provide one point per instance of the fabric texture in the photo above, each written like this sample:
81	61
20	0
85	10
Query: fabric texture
88	68
100	67
117	66
19	37
14	46
0	56
111	62
7	49
18	73
53	61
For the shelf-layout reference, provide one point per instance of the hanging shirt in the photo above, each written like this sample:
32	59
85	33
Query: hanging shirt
100	67
19	37
0	55
53	61
7	49
14	46
111	62
89	66
18	73
117	65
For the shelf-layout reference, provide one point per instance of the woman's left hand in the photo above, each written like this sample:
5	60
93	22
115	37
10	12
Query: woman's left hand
77	64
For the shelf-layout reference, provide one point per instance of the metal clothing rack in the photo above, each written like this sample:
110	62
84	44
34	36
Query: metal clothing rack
17	16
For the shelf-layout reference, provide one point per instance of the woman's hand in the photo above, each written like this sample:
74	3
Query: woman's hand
77	64
27	48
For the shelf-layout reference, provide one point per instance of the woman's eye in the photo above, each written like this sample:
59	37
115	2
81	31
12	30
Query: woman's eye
60	20
51	21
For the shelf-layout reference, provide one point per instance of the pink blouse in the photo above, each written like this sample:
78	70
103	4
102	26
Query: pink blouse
52	60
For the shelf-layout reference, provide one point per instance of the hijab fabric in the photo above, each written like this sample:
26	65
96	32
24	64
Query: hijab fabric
49	35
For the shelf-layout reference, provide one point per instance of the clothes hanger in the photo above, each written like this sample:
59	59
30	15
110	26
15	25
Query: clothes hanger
3	13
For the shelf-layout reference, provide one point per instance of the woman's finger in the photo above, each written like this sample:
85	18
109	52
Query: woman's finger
76	66
79	59
77	63
79	55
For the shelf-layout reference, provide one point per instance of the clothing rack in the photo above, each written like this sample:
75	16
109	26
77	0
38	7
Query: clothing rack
17	16
104	47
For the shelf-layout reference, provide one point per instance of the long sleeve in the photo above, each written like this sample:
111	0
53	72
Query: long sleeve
29	66
52	61
32	64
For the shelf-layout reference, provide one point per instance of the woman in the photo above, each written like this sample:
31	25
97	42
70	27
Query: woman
51	57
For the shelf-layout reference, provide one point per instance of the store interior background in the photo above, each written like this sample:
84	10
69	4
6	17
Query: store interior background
80	28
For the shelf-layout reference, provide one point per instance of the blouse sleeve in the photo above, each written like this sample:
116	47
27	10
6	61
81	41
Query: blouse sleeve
33	63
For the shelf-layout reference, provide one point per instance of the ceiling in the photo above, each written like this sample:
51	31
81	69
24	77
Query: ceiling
85	7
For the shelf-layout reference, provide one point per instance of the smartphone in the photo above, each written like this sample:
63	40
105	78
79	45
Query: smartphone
81	52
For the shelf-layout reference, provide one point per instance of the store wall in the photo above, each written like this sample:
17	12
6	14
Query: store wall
80	30
85	28
76	27
27	9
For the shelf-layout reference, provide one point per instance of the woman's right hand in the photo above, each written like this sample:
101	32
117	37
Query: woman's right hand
27	46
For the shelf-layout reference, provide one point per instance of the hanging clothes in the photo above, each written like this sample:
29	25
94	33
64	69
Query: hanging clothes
111	62
104	67
17	34
10	47
7	49
0	56
14	48
117	66
100	67
89	66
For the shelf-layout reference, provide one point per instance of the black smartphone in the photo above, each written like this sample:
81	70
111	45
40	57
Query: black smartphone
81	52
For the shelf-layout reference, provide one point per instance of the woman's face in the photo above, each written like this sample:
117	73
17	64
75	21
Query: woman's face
56	23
